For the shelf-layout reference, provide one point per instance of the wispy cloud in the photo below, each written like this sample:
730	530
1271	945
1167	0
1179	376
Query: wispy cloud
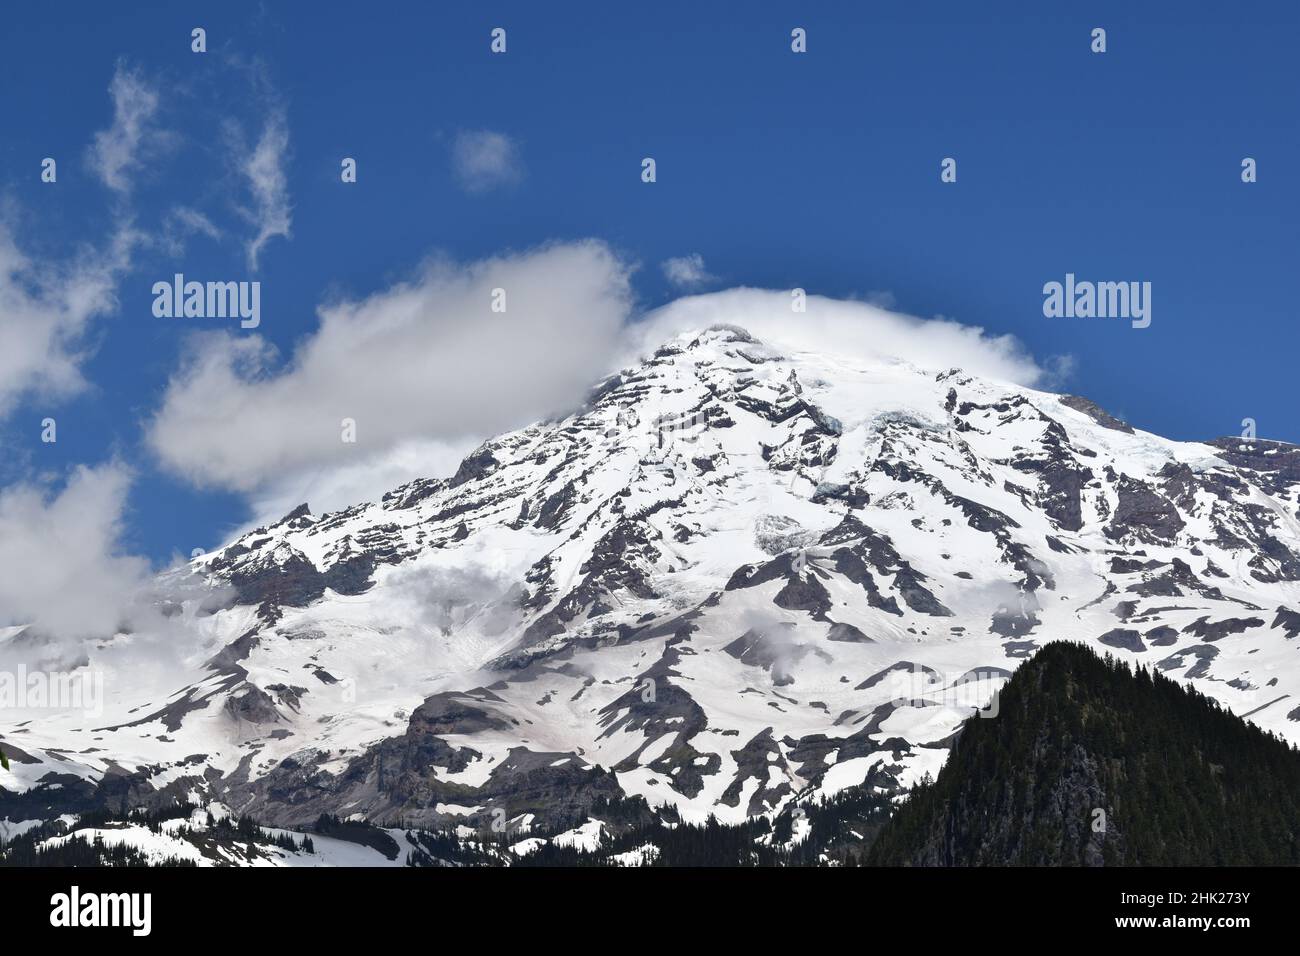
263	169
46	309
686	272
182	222
484	160
116	152
192	221
48	304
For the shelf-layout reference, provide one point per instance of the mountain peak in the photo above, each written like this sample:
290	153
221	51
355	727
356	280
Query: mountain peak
723	332
734	575
302	511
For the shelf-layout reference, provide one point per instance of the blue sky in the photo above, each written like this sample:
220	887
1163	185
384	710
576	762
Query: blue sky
818	170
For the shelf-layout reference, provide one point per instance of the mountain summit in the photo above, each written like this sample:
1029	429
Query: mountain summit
736	578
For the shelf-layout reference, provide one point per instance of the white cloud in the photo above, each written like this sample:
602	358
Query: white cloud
427	359
179	224
268	184
63	567
117	151
686	272
84	599
45	312
426	370
485	160
189	220
845	327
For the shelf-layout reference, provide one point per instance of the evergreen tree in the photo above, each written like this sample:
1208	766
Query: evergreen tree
1089	763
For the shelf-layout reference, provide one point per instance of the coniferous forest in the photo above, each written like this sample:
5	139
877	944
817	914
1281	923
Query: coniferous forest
1090	763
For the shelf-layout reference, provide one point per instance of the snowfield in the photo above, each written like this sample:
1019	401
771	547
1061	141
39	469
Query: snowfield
735	579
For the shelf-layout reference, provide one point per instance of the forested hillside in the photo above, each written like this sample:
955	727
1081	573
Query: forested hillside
1089	763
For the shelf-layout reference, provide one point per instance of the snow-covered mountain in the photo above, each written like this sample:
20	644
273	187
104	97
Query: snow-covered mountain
735	578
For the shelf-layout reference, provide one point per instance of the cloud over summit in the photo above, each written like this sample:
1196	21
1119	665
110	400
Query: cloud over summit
845	327
426	368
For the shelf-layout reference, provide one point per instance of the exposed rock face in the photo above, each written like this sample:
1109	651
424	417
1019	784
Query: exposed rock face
1096	413
1124	638
733	576
1143	513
